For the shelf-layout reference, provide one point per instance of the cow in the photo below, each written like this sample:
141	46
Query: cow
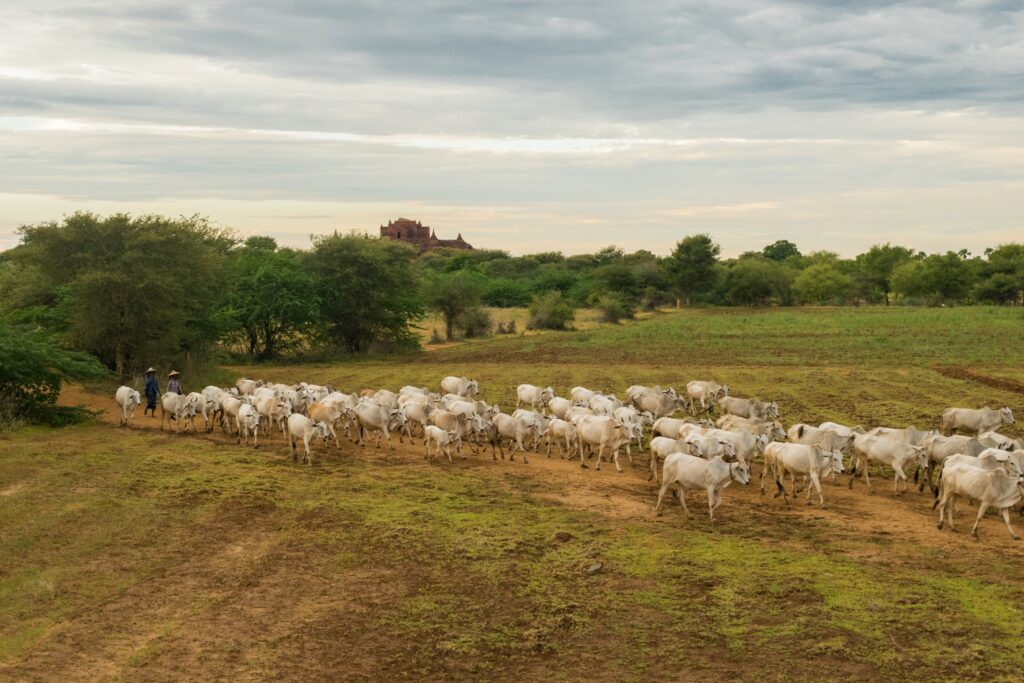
540	424
467	388
745	445
659	403
896	453
748	407
628	415
273	410
373	417
442	441
603	432
247	386
180	409
709	446
247	420
301	427
560	406
809	460
828	439
561	431
683	472
329	413
707	393
937	448
603	404
533	397
661	447
514	429
128	400
991	488
773	429
910	435
672	427
997	440
418	414
975	421
582	394
229	409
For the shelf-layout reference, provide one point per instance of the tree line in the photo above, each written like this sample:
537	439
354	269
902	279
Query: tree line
135	291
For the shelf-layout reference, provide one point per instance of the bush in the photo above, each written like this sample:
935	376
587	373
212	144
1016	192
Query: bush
476	322
613	309
550	312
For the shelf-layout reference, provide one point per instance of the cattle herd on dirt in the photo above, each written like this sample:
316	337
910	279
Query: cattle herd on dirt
715	442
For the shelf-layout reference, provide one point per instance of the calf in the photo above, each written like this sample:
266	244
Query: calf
683	472
561	431
247	420
442	441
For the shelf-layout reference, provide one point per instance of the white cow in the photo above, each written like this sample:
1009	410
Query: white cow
373	417
997	440
937	448
991	488
661	447
975	421
603	404
560	406
707	393
442	441
514	429
328	413
247	386
247	420
561	432
540	424
180	409
658	402
273	410
418	414
809	460
467	388
748	407
683	472
672	427
910	435
708	446
301	427
533	396
229	409
603	432
582	394
128	400
773	429
745	445
898	454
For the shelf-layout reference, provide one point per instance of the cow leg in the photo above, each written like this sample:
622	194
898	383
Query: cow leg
654	467
308	457
600	453
615	456
291	446
817	485
982	507
448	451
661	496
867	478
1005	512
681	492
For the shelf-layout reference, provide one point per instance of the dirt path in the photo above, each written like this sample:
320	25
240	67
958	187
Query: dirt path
630	496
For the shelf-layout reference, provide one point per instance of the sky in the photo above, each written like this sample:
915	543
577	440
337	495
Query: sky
526	126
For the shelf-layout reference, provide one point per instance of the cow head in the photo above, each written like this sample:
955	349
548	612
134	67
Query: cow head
322	431
920	457
694	446
761	442
396	418
773	410
547	395
739	472
473	388
1007	415
723	391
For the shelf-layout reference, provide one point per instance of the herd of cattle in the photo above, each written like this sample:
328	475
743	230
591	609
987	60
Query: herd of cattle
972	460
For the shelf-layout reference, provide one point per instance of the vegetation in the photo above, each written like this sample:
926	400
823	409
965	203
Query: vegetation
550	312
192	557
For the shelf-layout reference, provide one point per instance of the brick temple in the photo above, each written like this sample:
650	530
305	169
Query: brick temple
422	236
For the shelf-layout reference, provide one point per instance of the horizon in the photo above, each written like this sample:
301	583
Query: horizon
526	129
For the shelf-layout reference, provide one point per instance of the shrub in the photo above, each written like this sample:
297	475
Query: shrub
613	309
476	322
550	312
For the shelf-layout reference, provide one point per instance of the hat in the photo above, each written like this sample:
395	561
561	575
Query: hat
172	373
151	369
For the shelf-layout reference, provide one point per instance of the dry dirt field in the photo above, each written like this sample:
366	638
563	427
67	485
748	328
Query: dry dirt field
131	554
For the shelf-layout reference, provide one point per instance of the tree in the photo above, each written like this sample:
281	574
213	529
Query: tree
132	291
550	312
272	301
757	281
780	250
998	288
32	367
691	265
368	290
453	295
939	278
878	263
823	283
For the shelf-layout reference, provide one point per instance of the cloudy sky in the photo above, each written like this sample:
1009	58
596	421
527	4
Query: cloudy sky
524	125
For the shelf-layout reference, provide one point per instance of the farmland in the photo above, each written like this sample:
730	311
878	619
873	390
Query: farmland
134	554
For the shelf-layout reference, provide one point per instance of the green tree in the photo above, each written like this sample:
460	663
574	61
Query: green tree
272	302
550	312
939	278
32	367
129	290
823	283
692	264
368	290
757	281
998	288
780	250
453	295
877	265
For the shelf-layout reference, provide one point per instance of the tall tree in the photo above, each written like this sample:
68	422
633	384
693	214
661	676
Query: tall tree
692	265
453	295
878	263
272	301
780	250
368	290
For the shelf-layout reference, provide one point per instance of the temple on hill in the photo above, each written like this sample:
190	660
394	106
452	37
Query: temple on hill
423	237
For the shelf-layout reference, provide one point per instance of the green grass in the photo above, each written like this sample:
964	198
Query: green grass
128	554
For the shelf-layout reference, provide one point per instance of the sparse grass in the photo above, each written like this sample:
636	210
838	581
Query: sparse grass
132	554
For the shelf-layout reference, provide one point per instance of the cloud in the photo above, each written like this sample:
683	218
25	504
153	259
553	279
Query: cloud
575	123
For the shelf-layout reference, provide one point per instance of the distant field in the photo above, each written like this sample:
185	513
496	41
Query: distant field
131	554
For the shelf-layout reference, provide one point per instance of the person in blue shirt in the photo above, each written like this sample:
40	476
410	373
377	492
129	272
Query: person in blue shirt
173	385
152	391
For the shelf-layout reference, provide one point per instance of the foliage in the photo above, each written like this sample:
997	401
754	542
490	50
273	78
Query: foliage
272	302
614	309
453	295
368	290
780	250
131	290
475	322
938	278
823	283
757	281
32	367
691	265
877	265
550	312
